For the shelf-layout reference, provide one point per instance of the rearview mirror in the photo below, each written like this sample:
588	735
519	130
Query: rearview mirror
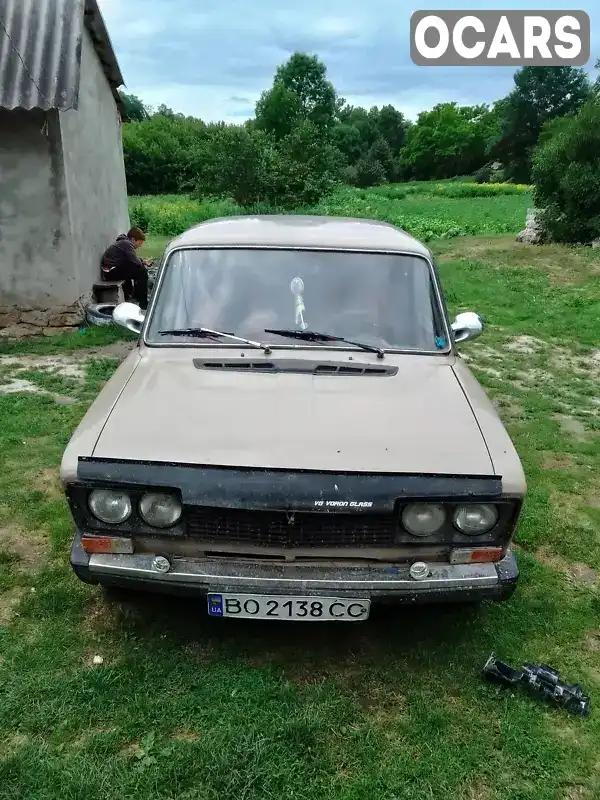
467	325
129	316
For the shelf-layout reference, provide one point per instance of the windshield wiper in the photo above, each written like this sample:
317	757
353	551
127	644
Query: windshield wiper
315	336
207	333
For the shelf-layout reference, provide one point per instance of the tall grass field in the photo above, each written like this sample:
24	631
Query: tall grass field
427	210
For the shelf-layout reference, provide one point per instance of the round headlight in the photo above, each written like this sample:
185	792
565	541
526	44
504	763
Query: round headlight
109	506
160	510
473	520
423	519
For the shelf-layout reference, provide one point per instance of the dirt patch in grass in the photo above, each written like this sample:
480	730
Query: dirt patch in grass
57	375
131	750
9	604
550	559
576	793
476	791
17	385
594	674
382	704
530	378
185	736
508	408
592	641
84	738
492	371
118	349
12	744
65	366
527	345
102	615
582	574
572	426
552	460
28	549
578	573
566	731
48	482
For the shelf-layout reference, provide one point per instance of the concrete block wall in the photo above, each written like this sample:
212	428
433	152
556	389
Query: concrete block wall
63	200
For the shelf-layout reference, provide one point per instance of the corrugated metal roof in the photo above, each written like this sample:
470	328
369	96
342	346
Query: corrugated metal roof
40	52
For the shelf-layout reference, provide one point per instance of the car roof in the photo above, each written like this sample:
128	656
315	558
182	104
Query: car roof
298	231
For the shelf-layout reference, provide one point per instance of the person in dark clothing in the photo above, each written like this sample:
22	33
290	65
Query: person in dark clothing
120	262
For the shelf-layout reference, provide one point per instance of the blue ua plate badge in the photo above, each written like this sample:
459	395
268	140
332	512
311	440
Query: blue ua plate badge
215	605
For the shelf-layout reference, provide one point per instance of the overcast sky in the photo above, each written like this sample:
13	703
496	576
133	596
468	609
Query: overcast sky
212	58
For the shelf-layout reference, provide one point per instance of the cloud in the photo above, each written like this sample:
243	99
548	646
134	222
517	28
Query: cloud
213	61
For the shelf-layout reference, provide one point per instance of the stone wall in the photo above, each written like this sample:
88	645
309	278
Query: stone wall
18	322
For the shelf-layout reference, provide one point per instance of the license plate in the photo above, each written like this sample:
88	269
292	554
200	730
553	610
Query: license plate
299	609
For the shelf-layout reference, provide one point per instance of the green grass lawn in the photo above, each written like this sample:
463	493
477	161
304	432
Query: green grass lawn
183	707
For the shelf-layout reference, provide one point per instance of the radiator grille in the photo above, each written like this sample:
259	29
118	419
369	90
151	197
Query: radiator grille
282	530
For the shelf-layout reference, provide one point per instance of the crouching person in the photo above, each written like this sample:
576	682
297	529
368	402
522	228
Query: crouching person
120	262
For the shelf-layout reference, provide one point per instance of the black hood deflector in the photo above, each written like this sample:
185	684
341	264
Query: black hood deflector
231	487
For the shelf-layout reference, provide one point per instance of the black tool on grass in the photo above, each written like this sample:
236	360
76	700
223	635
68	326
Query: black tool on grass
543	681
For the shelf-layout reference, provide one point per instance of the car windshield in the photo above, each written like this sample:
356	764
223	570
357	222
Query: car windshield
387	301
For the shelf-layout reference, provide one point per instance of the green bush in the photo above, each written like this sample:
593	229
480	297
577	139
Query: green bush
161	153
566	173
250	166
369	172
235	162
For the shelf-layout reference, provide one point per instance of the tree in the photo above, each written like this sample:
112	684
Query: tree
365	122
540	94
566	173
392	127
306	169
449	140
300	92
368	136
134	109
381	152
235	162
596	86
346	137
165	111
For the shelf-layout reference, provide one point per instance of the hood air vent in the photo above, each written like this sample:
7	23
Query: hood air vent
298	366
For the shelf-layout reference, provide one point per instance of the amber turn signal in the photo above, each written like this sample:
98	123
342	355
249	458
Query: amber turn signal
475	555
106	544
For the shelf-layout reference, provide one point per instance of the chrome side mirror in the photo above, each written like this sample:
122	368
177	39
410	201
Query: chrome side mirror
129	316
467	325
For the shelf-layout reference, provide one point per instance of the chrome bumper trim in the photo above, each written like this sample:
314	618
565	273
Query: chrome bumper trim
216	575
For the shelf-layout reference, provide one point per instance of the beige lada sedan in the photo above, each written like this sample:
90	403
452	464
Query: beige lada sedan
295	436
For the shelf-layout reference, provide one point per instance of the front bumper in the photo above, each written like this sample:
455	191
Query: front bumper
445	582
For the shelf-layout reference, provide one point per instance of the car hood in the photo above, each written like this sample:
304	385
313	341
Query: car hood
417	421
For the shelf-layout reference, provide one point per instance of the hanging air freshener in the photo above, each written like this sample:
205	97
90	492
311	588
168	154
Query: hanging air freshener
297	288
